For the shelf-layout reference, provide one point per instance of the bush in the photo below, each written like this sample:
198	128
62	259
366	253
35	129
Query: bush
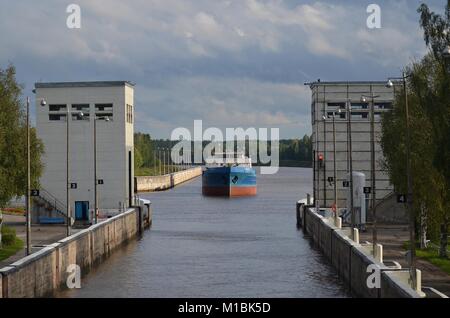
8	235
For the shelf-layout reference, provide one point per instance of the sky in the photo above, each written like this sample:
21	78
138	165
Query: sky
230	63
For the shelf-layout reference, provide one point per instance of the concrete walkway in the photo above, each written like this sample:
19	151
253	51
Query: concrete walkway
393	237
40	235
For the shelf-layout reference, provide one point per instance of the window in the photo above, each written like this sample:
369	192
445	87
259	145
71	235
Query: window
103	107
338	115
129	114
79	117
359	115
359	105
103	116
336	105
81	107
57	116
383	105
57	108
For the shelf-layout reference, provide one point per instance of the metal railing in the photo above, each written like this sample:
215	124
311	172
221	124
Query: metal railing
52	201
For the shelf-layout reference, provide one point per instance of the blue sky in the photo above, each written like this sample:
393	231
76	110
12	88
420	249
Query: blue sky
230	63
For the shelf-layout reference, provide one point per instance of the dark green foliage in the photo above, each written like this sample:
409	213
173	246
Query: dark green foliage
8	235
428	89
13	140
143	151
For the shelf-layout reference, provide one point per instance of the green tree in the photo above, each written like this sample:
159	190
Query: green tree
13	152
429	111
138	161
434	97
144	150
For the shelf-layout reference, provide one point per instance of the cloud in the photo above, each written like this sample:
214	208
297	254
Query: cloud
188	57
225	103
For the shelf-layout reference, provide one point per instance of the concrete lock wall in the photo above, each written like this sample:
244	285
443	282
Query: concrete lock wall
351	259
42	273
158	183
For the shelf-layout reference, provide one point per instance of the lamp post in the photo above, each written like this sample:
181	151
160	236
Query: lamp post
334	166
409	197
159	159
317	185
105	118
350	159
68	185
164	160
28	190
168	161
372	164
154	159
28	203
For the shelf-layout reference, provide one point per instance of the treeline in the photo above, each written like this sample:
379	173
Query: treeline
13	140
426	134
292	152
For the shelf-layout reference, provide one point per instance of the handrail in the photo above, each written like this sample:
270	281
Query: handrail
53	201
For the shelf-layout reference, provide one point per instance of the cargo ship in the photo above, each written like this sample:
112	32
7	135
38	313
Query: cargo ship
230	175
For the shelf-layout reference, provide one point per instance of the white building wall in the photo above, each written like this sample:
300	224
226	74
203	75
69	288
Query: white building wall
114	140
327	93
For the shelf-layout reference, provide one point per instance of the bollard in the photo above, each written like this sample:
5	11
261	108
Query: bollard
419	281
299	218
338	222
379	253
356	235
308	199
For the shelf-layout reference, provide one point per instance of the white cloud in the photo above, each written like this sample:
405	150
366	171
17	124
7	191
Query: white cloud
188	55
231	102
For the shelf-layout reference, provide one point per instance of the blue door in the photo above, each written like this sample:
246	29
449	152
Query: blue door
81	210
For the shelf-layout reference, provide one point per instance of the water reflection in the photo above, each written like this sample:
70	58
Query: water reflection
216	247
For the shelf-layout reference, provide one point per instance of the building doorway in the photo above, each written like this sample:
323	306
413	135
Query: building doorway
81	210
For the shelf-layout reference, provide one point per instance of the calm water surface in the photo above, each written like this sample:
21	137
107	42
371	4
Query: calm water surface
219	247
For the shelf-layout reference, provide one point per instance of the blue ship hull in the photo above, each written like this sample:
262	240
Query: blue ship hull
229	181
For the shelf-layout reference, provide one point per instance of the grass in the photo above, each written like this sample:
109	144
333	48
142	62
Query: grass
13	247
431	255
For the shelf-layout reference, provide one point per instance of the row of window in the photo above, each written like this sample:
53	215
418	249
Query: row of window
355	115
360	105
56	111
85	116
129	114
80	107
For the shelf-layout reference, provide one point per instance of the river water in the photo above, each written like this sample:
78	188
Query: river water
220	247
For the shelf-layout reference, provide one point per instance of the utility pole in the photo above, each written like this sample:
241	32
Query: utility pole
372	161
164	160
409	197
373	171
412	237
95	166
154	160
334	167
350	157
28	203
316	135
95	170
68	172
159	159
